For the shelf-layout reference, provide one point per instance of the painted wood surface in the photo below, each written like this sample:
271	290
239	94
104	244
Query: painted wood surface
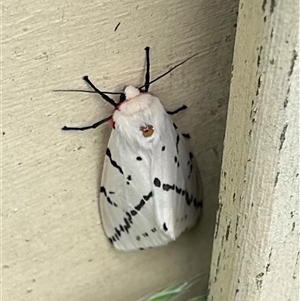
256	247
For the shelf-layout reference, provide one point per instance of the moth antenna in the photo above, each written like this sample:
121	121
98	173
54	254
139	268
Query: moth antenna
86	91
170	70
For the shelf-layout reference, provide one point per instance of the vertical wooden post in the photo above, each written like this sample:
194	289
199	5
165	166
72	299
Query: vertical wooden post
256	247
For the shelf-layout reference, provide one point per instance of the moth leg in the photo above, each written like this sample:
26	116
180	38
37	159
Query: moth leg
186	135
147	75
84	128
177	110
103	95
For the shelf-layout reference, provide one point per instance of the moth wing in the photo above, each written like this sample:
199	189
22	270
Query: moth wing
126	197
176	183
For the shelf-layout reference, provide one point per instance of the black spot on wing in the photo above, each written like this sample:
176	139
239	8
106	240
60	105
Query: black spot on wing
139	158
103	190
190	163
167	187
177	142
118	232
140	205
129	178
126	226
129	217
157	182
133	212
178	190
176	161
163	148
147	197
165	227
113	163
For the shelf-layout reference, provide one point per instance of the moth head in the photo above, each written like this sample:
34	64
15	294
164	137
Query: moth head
131	92
122	98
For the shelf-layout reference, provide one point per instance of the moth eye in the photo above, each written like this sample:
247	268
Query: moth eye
147	130
122	98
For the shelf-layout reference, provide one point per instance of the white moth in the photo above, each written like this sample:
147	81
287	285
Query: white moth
150	190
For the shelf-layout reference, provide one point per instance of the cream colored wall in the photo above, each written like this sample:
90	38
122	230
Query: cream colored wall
256	247
53	245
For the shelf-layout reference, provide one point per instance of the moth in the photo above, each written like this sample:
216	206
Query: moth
150	189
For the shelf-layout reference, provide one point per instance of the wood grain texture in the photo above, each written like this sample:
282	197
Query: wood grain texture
256	246
53	244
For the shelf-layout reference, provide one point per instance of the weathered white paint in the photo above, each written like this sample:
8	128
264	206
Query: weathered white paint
53	245
256	247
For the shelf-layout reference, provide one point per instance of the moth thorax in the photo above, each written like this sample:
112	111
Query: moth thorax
131	92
